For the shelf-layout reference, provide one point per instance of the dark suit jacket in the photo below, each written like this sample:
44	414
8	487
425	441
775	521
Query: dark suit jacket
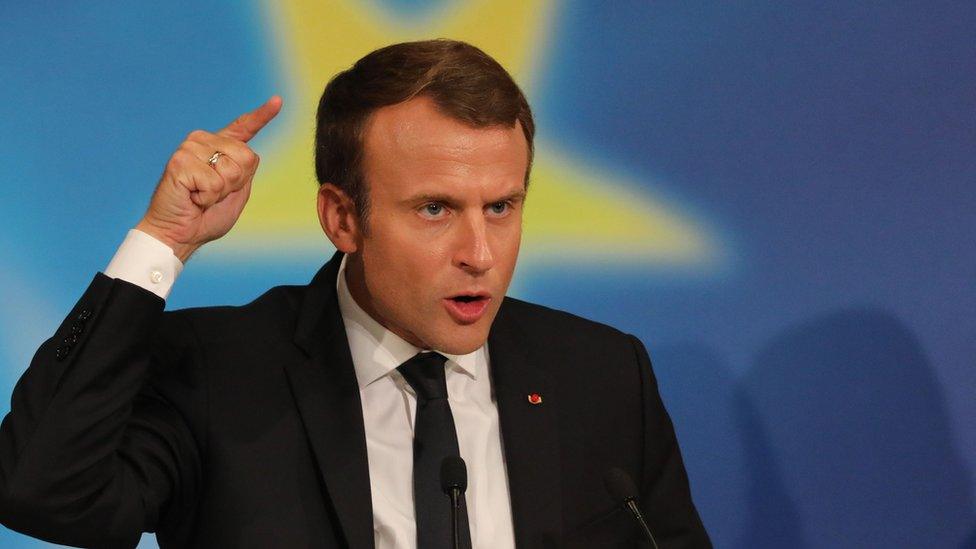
242	427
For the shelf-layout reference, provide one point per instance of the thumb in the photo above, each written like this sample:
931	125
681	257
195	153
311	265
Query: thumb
249	124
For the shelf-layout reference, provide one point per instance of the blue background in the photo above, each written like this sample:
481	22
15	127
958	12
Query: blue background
821	385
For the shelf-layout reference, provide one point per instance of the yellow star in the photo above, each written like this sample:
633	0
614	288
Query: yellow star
573	210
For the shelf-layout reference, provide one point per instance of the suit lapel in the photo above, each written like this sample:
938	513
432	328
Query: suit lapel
530	434
327	395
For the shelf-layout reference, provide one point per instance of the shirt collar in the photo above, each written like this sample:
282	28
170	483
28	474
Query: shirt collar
377	351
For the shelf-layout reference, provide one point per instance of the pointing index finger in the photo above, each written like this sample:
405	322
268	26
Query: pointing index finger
249	124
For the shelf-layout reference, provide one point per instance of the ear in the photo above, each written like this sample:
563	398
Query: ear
337	215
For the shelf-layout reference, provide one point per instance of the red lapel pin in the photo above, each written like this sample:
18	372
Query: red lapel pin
535	398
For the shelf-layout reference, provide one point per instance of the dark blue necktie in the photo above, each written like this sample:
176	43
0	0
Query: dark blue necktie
434	438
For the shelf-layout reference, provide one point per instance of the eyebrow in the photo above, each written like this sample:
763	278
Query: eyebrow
516	196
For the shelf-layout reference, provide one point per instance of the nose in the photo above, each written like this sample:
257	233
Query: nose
473	251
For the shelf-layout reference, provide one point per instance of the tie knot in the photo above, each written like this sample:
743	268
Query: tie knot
425	373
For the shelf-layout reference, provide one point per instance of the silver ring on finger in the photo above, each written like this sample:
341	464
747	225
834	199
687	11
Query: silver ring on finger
213	159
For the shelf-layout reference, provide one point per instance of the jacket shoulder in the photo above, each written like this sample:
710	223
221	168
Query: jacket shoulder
274	311
548	324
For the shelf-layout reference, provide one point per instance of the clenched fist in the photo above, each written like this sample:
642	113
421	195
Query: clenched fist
197	201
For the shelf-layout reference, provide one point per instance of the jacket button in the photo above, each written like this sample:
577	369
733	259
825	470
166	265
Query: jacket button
70	340
62	352
84	315
77	328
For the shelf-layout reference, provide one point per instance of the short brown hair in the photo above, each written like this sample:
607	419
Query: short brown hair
463	81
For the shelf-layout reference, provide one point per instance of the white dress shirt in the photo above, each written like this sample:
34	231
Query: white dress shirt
389	405
145	262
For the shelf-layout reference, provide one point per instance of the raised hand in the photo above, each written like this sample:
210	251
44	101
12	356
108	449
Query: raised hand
197	200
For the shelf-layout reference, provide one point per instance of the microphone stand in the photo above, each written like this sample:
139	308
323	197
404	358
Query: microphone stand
632	505
622	488
455	511
454	480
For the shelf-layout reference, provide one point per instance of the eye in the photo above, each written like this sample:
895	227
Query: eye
499	208
432	210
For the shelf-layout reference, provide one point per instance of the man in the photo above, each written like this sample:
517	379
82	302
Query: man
319	415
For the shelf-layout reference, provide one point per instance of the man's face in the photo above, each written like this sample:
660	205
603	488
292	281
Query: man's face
444	225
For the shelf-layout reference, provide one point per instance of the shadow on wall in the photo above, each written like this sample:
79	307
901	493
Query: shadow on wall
774	520
836	437
843	413
699	390
970	542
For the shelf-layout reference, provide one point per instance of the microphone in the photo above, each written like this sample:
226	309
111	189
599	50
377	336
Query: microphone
454	481
623	490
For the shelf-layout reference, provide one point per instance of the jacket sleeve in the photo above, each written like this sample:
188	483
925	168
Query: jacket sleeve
665	493
97	446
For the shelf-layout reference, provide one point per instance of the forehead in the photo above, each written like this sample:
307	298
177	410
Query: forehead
414	137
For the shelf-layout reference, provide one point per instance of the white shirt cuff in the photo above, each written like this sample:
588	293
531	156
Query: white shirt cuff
145	262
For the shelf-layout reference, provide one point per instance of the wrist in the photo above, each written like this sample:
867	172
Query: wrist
181	250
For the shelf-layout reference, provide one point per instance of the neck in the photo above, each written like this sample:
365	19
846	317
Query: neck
356	282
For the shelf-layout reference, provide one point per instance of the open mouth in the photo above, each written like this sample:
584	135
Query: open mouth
467	308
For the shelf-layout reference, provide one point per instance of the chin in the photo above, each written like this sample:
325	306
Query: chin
461	343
